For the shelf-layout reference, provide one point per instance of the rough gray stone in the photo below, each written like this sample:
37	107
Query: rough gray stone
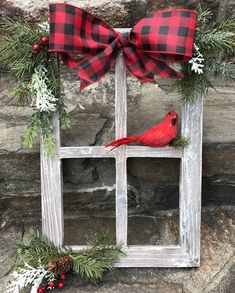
84	129
215	5
10	235
154	230
120	13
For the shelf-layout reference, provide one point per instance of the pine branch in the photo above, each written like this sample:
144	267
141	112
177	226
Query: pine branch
90	263
16	47
180	142
228	24
32	130
40	122
47	134
37	250
192	85
214	40
19	28
204	16
87	267
104	256
21	94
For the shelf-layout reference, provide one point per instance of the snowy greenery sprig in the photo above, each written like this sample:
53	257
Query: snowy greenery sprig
38	75
29	276
35	254
214	42
41	94
197	61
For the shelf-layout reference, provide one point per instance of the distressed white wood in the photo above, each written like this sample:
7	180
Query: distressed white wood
131	151
86	152
151	256
51	192
121	171
138	249
187	253
190	179
142	151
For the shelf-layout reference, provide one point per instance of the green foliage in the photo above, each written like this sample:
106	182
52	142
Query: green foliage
90	263
47	134
21	94
17	56
192	85
16	52
215	41
40	122
32	130
180	142
97	259
37	251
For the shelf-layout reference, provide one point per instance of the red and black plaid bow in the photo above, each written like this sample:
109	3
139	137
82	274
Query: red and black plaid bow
165	36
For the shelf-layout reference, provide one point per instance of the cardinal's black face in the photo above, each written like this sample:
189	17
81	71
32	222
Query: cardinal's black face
173	121
174	117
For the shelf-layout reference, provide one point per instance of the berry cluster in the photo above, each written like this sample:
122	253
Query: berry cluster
37	47
53	284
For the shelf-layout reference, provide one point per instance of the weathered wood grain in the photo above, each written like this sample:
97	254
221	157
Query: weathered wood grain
121	168
86	152
190	179
151	256
131	151
51	192
144	151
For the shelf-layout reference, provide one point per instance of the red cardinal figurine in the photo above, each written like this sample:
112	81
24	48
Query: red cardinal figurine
158	136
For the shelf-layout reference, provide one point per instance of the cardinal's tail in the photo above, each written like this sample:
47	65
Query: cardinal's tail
116	143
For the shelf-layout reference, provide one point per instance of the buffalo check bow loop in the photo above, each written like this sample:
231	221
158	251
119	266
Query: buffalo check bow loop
161	38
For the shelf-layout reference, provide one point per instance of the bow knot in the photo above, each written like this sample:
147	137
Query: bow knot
123	39
163	37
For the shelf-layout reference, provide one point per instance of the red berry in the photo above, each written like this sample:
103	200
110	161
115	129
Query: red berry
44	40
36	48
40	290
62	276
60	285
52	284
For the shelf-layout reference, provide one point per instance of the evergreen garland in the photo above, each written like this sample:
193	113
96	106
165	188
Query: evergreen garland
38	74
213	39
90	263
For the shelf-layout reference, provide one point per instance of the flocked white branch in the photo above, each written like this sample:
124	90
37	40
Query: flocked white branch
44	27
28	276
197	61
42	96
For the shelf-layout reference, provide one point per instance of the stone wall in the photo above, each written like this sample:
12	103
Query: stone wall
89	184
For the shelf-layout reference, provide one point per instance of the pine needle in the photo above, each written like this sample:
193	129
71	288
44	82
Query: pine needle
213	39
90	263
37	251
180	142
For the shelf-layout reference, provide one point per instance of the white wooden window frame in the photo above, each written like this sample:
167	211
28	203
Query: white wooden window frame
187	252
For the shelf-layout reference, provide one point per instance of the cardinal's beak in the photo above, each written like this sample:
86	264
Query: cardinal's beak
175	116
